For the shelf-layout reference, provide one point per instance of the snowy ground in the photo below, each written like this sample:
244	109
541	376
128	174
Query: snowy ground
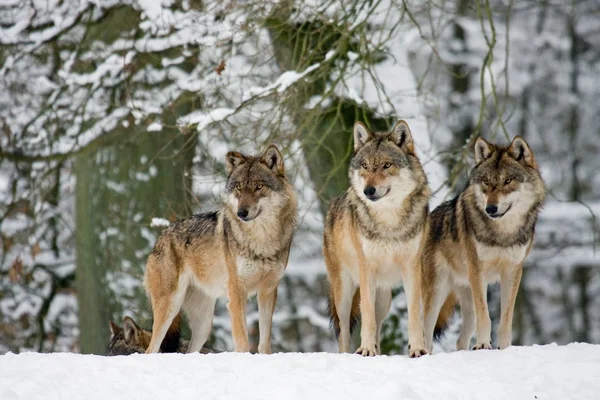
538	372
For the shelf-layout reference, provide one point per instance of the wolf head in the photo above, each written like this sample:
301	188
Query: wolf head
255	184
127	340
384	167
506	179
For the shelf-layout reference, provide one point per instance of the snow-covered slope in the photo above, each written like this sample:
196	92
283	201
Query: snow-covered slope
542	372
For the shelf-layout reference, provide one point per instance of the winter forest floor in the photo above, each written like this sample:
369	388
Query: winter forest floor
537	372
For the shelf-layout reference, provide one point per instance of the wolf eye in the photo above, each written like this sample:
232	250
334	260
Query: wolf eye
386	165
238	186
364	165
259	186
507	181
486	181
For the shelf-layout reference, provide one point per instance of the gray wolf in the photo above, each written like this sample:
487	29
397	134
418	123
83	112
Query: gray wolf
240	249
481	236
131	339
373	238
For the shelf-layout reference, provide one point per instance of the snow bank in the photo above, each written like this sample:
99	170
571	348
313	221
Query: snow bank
542	372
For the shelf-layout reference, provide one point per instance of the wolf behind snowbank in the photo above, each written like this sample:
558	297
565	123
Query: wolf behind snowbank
482	236
373	238
132	339
241	249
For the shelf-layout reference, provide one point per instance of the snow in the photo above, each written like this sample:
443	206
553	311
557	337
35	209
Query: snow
158	222
151	8
203	119
155	127
541	372
570	210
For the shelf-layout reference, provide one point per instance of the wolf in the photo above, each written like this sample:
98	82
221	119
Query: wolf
481	236
131	339
238	250
373	238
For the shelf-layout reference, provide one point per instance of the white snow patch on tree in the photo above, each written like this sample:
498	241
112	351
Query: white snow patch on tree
155	127
159	222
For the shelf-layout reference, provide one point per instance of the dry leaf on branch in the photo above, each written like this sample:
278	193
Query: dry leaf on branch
35	250
220	68
16	270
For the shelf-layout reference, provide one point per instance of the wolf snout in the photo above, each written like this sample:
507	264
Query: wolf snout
491	210
247	215
370	192
242	213
494	212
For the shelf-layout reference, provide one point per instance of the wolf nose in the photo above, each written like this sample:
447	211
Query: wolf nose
491	210
369	191
242	213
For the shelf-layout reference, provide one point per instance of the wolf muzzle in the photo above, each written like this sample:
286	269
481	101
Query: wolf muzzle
371	193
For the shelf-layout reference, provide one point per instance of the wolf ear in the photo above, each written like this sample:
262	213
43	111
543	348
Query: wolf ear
273	159
131	329
114	329
402	136
233	159
520	151
361	135
483	150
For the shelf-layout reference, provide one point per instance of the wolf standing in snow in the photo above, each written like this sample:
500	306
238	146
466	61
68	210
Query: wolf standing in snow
241	249
373	238
481	236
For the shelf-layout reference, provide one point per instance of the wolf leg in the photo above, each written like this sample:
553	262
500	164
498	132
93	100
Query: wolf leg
468	318
411	278
267	297
368	331
509	286
164	309
200	310
343	293
238	297
383	301
435	290
479	293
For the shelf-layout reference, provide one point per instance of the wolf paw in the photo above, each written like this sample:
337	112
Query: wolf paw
416	351
367	351
242	348
482	346
264	349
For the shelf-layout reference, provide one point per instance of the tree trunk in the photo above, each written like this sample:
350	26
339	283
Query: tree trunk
326	132
523	298
118	191
459	103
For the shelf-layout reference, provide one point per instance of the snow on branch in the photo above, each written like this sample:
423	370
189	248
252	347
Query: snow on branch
159	222
285	81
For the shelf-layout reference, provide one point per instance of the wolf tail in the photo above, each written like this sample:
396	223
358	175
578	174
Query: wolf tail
334	320
445	316
170	343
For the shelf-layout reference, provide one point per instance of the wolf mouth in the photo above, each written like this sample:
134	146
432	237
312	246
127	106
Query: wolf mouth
248	219
375	198
497	216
